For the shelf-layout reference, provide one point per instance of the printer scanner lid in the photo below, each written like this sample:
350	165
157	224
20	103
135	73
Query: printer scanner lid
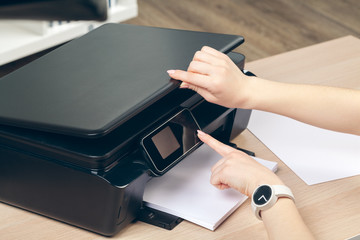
91	85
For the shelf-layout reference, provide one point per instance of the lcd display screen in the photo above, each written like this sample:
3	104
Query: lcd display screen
171	141
165	142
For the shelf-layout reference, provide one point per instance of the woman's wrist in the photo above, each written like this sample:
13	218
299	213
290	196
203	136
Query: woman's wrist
265	95
282	205
253	91
268	178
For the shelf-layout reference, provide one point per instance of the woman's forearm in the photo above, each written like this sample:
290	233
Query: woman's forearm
283	221
326	107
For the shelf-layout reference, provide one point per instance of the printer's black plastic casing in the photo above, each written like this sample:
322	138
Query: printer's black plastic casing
88	170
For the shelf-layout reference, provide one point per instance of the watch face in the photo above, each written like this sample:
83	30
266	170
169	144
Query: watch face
262	195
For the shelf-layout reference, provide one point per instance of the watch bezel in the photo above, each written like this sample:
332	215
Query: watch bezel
277	191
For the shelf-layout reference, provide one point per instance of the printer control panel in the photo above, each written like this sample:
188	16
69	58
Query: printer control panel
170	141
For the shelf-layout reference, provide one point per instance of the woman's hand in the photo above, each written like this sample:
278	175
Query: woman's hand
214	76
236	169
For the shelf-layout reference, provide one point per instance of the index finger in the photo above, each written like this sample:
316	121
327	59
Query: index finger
219	147
196	79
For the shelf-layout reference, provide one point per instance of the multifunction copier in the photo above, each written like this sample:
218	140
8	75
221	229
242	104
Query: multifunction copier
86	126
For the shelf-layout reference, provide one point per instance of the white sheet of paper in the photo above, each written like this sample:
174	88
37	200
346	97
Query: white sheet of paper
185	190
316	155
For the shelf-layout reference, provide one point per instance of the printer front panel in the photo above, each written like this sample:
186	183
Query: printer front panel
69	194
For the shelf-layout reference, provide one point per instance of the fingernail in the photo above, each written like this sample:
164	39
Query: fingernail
170	71
200	133
184	85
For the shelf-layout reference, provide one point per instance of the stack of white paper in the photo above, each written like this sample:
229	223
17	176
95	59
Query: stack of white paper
185	190
316	155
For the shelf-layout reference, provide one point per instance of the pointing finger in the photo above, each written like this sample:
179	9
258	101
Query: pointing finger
219	147
191	78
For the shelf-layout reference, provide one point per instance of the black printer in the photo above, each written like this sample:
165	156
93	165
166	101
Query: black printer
83	128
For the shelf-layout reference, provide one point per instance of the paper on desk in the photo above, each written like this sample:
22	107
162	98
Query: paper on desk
316	155
185	190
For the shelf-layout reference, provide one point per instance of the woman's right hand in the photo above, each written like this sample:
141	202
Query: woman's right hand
237	170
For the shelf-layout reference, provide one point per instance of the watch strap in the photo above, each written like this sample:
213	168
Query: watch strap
283	191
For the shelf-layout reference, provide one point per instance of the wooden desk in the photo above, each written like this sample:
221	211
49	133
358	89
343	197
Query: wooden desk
331	210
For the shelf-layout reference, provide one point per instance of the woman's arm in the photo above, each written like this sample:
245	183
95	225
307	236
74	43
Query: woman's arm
239	171
214	76
332	108
283	221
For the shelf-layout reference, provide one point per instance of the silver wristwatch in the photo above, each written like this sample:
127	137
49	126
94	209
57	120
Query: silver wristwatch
265	196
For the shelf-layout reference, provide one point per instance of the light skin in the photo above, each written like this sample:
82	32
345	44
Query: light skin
239	171
214	76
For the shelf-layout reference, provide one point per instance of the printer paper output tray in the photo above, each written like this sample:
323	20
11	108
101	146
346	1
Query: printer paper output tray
71	122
